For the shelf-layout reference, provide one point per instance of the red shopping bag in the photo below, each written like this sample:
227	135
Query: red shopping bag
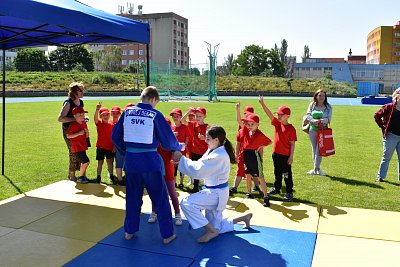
326	146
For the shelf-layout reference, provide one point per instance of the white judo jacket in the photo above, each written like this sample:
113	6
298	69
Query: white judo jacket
214	167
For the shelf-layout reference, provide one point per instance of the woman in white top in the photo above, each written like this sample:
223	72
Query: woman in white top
214	168
319	114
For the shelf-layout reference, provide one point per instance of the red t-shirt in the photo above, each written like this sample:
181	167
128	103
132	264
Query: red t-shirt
169	167
104	130
78	143
183	134
283	135
254	140
199	146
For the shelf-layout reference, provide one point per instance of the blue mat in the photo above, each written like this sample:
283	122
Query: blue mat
258	246
103	255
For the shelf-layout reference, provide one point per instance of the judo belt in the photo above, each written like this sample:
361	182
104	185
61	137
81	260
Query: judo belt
141	150
216	186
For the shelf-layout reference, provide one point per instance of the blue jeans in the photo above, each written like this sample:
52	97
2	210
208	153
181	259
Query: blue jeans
390	143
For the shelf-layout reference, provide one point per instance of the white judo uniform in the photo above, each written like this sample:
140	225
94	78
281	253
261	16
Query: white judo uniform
214	168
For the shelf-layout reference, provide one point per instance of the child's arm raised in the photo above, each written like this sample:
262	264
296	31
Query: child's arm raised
238	116
184	117
266	109
96	113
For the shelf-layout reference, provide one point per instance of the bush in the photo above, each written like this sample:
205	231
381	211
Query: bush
102	78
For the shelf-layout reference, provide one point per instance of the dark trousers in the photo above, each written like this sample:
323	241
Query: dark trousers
195	157
281	168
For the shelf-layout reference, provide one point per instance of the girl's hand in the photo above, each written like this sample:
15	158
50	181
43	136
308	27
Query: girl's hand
261	99
237	106
98	106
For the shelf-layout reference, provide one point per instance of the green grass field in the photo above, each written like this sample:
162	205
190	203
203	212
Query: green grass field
36	155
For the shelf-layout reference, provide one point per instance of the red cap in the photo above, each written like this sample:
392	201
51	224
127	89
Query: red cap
248	109
104	111
251	117
129	105
283	110
176	111
116	109
77	110
201	110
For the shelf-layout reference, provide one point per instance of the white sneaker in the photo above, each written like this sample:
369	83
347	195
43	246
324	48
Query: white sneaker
152	218
320	172
178	220
312	172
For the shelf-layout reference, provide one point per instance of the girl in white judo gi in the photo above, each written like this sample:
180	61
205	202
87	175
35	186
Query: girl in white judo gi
214	168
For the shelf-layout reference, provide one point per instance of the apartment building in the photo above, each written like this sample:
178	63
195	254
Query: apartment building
383	45
169	39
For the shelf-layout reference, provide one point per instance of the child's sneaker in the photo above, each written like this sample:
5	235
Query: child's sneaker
98	179
256	188
232	190
113	179
266	202
273	191
249	195
320	172
178	220
180	186
288	197
83	180
312	172
121	182
152	218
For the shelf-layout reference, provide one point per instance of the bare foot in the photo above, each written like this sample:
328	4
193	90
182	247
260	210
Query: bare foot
128	236
207	236
247	221
169	239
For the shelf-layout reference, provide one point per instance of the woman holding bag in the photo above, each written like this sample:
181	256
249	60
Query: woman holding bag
319	112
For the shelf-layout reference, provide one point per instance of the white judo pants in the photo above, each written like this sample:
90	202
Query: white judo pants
206	199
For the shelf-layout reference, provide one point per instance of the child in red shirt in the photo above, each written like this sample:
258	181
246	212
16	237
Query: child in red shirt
240	172
170	183
181	132
77	132
104	145
198	129
115	114
283	151
253	142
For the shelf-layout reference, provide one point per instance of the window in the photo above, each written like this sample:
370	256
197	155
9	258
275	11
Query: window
131	61
124	52
141	52
131	52
123	62
174	22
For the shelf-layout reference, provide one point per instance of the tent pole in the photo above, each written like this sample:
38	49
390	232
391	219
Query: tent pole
4	110
148	64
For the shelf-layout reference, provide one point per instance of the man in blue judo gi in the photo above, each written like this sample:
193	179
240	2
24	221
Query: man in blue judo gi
138	132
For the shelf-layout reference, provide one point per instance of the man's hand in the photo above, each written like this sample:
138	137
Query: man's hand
176	156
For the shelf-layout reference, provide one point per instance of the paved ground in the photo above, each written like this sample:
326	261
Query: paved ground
81	225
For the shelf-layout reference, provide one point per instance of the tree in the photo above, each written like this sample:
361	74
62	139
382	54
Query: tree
306	53
194	71
275	64
67	58
283	51
31	59
252	61
229	63
112	59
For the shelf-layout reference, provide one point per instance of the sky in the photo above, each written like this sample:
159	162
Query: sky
329	28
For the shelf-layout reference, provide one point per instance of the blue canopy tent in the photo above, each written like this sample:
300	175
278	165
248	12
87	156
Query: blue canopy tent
28	23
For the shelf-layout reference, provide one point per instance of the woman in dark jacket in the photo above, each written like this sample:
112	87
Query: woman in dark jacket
388	119
75	94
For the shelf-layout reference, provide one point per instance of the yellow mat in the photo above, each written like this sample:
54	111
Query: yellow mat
81	222
25	210
284	215
111	197
349	251
5	230
67	191
374	224
26	248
